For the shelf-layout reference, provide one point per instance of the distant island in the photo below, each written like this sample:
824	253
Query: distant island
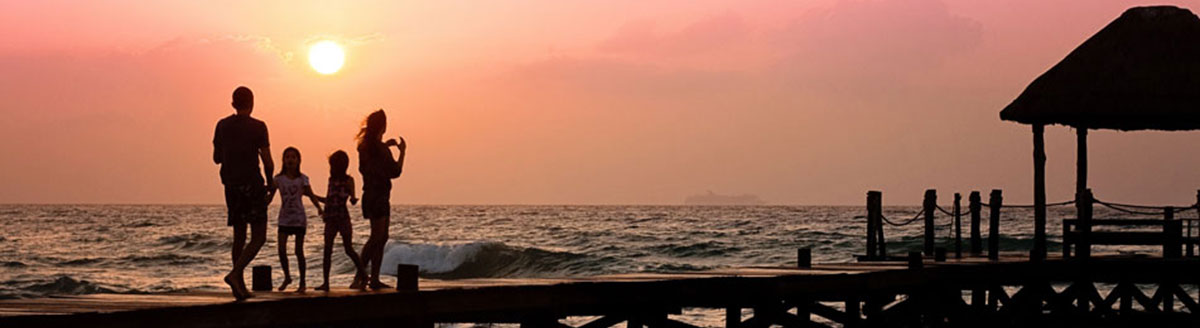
717	199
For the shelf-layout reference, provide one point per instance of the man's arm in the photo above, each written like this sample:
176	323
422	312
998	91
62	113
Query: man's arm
217	146
264	153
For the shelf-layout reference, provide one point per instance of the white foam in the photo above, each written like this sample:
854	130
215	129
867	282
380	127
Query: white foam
430	258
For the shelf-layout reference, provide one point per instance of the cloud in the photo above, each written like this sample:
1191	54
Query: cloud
873	43
710	34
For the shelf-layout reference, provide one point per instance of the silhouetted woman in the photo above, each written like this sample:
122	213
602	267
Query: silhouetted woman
378	169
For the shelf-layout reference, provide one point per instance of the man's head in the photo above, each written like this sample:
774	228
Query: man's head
243	100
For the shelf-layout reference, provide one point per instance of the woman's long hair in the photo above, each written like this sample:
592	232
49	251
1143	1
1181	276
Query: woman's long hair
284	168
372	131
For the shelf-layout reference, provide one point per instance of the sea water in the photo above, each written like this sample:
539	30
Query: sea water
83	249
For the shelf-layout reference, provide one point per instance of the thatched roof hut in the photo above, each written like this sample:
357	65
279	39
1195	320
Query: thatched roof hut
1141	72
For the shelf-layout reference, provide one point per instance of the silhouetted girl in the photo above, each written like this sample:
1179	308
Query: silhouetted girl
378	169
337	216
292	219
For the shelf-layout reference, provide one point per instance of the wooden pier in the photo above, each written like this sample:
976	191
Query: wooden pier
1011	291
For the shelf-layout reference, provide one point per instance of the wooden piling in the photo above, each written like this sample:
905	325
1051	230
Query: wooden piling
1083	205
804	258
995	202
260	278
929	205
875	225
406	277
973	205
958	226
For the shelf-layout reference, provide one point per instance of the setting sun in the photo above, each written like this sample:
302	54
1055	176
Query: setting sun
326	57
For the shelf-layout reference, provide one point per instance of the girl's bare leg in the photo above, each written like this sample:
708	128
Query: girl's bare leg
325	266
301	263
348	244
283	261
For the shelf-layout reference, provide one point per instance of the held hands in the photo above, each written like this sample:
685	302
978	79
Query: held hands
353	200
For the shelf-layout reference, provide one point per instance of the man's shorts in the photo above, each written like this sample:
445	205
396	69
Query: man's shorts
246	204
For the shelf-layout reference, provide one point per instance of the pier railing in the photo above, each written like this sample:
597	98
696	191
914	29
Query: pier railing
1177	236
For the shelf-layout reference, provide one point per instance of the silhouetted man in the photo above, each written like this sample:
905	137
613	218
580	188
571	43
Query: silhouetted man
239	142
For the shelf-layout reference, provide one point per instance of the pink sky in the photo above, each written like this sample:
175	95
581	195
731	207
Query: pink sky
565	102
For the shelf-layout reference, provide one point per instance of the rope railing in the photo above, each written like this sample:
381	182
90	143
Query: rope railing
1133	209
1062	203
909	221
937	225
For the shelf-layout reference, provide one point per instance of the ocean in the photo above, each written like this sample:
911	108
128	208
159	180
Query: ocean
83	249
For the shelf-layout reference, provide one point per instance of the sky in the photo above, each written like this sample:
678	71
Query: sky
565	102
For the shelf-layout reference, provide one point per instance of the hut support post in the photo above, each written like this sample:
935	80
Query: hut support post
996	201
1081	165
930	205
976	240
1039	194
958	226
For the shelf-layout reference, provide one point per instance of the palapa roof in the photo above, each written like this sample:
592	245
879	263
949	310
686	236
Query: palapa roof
1141	72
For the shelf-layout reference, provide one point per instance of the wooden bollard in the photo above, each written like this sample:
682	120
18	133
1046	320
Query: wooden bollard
996	201
1174	231
1083	205
957	226
260	278
974	205
874	225
929	205
406	277
804	258
939	254
915	260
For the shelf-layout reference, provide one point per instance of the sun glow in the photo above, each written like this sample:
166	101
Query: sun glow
326	57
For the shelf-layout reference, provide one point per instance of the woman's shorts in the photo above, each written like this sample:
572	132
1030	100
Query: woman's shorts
376	205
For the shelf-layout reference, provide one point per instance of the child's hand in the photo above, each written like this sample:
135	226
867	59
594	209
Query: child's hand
353	200
270	196
320	212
